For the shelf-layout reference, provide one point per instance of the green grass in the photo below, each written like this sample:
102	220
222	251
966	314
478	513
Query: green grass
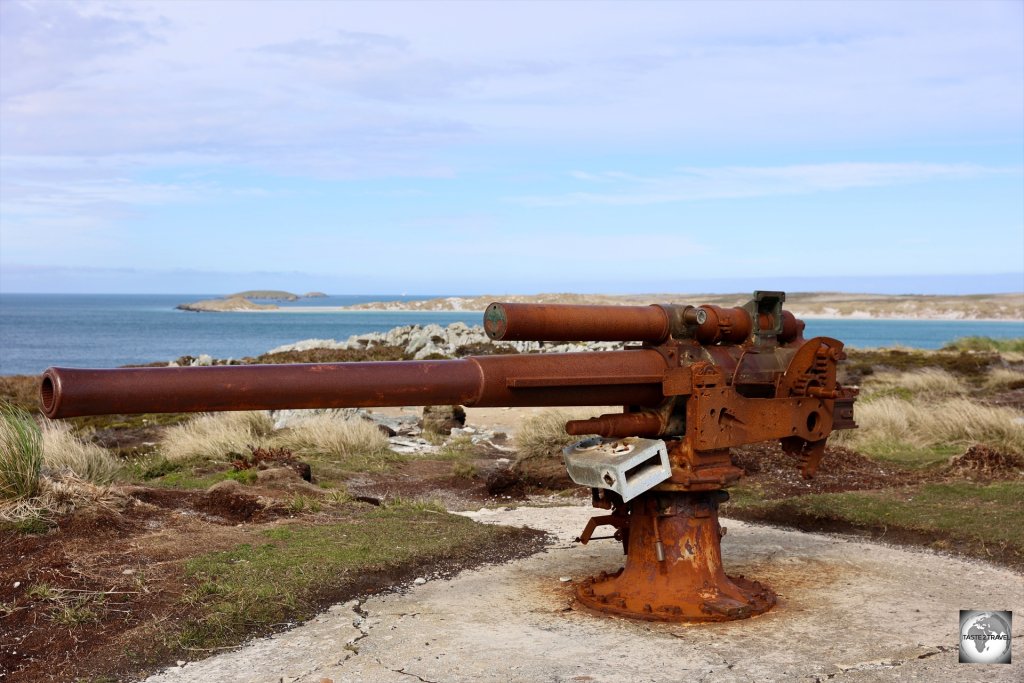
294	569
188	478
32	524
21	453
865	362
335	472
908	454
460	448
985	344
985	520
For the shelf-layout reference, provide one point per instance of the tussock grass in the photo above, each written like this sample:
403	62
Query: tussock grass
333	435
216	436
55	498
64	452
986	344
927	382
543	435
889	423
1004	378
21	453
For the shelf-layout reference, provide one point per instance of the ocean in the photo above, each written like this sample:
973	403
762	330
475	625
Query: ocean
110	330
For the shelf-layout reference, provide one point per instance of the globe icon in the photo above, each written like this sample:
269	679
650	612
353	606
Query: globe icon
985	638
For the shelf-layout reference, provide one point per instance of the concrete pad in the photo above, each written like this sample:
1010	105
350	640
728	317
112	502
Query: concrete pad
847	611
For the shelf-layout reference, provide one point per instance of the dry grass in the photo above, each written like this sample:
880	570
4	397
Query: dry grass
1004	378
333	435
55	498
216	436
952	421
21	454
543	434
928	382
64	452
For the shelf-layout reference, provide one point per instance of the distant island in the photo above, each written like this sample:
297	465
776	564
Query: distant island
243	301
802	304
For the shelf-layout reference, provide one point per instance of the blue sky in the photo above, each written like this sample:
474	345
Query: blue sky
511	147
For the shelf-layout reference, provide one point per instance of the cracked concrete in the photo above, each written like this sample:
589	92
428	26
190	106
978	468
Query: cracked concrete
848	612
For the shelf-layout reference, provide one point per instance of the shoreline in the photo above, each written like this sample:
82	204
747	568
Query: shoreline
816	316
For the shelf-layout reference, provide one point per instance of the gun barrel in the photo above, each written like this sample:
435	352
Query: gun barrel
565	322
598	378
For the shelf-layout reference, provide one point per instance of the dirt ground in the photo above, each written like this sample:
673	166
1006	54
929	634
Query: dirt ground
847	611
116	579
99	594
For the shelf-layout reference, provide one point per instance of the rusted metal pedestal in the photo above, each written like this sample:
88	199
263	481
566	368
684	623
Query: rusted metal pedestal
673	566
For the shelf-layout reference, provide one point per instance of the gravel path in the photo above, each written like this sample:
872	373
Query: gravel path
848	611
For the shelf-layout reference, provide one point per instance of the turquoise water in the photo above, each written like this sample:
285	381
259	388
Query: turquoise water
107	330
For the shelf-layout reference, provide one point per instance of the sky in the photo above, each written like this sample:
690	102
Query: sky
470	148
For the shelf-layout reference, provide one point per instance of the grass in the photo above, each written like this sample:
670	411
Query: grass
543	435
334	436
68	608
216	436
984	518
21	453
999	379
294	569
986	344
337	445
20	391
459	448
65	452
929	383
894	428
865	362
189	478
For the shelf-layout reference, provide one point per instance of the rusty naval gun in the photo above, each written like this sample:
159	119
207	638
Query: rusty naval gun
693	382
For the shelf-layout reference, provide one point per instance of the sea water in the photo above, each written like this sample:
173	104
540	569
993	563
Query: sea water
110	330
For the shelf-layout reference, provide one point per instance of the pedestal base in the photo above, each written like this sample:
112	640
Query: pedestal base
673	566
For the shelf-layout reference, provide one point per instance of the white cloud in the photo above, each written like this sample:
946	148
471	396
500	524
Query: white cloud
695	184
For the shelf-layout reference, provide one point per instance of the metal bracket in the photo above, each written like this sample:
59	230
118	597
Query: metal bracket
627	466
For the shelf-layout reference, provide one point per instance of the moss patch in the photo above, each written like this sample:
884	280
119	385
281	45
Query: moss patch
297	569
980	520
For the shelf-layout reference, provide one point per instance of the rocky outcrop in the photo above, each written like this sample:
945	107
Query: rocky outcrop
443	419
314	295
434	341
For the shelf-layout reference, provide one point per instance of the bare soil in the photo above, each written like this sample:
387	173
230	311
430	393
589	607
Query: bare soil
100	594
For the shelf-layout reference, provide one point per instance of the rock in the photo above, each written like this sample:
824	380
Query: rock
505	481
227	486
303	469
419	581
411	446
544	472
424	341
275	475
443	419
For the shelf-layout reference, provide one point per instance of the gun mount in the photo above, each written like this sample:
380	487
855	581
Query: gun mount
694	382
